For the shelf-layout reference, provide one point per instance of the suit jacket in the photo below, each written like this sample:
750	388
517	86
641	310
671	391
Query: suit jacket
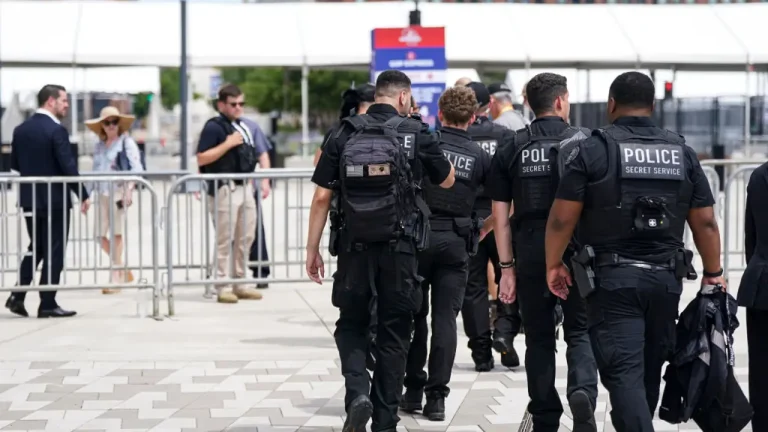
41	148
753	291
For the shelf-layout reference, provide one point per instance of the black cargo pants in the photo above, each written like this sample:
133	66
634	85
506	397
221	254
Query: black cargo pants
475	311
631	319
389	270
537	305
444	269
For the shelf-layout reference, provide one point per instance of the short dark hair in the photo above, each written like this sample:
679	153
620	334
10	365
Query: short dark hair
227	91
633	90
49	91
543	89
391	81
458	105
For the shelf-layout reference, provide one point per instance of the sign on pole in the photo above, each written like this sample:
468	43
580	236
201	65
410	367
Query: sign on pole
419	52
215	86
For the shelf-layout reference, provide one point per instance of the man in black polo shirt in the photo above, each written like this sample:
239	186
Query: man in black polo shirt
231	202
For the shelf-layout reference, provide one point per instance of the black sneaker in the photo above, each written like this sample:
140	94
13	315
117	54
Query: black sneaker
434	410
509	357
411	400
360	411
583	412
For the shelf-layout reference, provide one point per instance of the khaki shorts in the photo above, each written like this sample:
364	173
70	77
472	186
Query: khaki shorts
102	221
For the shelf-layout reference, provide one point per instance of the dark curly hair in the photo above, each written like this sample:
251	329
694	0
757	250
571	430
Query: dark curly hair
458	105
542	91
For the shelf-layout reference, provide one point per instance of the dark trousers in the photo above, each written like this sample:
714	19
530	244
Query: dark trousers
41	236
632	329
389	273
444	269
476	308
757	328
537	305
259	246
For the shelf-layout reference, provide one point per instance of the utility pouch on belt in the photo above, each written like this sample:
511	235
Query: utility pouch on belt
583	272
420	224
684	265
473	240
335	218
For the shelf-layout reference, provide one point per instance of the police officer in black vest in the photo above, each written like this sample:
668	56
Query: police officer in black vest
490	137
521	173
631	187
386	270
454	234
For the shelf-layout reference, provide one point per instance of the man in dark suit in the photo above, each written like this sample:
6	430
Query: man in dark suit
753	292
41	148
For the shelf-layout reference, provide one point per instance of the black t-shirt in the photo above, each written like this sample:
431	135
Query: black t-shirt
591	164
502	179
435	164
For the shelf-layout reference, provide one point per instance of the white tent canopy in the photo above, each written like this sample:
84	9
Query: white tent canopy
586	36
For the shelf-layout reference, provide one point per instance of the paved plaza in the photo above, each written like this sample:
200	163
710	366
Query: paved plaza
268	365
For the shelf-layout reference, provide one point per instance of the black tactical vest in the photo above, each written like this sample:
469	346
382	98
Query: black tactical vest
645	194
458	200
488	136
534	168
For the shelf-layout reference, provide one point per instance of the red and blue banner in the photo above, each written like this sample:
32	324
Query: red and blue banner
419	52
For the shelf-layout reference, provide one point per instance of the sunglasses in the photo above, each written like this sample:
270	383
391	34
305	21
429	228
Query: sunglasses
110	122
237	104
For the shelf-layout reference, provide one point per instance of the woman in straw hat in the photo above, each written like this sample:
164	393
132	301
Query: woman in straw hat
116	151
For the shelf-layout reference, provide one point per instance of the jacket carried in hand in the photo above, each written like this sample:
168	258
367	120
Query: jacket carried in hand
699	378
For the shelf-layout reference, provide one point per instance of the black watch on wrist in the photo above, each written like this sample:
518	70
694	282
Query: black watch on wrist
507	264
715	274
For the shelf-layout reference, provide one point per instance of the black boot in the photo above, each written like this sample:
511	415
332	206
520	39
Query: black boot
509	357
411	400
434	410
360	411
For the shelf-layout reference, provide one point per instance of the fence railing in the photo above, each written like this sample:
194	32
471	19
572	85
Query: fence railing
172	239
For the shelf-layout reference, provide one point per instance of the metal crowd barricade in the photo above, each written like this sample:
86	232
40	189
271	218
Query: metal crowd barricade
193	252
735	204
84	266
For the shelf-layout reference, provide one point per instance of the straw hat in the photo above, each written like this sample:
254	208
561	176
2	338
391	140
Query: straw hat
124	120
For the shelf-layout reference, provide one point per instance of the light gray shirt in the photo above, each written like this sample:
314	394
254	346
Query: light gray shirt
511	120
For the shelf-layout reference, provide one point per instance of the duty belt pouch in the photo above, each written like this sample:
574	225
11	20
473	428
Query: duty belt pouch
684	268
463	228
583	272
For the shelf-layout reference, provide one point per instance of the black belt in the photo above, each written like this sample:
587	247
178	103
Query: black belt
609	260
444	224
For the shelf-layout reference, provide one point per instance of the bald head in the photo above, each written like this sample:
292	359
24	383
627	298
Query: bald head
461	82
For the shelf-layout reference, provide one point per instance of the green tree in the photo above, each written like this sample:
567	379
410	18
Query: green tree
270	89
170	87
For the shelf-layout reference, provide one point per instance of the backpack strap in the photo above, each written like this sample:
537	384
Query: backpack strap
226	125
391	125
357	122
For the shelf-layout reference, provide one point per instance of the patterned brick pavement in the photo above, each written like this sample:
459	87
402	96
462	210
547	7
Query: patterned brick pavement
222	367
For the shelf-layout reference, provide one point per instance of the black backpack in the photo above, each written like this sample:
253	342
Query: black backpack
245	155
376	183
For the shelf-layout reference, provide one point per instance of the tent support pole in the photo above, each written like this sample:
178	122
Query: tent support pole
747	111
183	87
305	109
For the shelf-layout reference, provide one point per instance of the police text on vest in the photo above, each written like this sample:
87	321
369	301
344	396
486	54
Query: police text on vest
652	161
463	165
488	146
534	160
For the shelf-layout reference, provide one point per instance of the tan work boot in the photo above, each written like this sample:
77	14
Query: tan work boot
226	297
247	294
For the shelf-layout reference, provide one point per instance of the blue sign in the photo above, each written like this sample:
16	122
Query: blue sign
215	85
419	52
